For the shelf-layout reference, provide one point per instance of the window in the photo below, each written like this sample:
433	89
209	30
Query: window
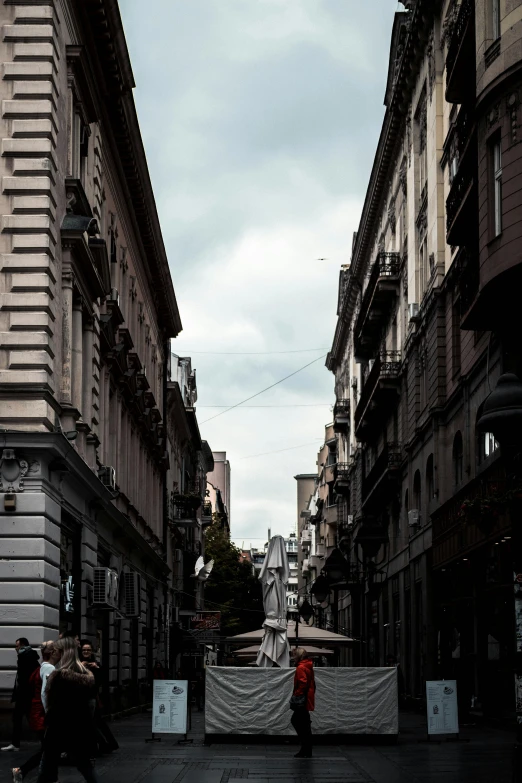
417	490
496	159
495	19
458	459
422	135
455	338
488	445
429	479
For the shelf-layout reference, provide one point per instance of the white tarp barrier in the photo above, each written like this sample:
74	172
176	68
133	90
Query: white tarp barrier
255	701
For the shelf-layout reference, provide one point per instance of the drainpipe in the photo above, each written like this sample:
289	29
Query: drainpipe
166	625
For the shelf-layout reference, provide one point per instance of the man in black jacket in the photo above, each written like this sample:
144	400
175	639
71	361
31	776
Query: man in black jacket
27	662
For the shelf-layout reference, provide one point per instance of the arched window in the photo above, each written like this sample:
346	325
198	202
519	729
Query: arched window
458	459
429	479
417	490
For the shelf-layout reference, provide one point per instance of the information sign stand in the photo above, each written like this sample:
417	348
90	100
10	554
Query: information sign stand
442	716
170	709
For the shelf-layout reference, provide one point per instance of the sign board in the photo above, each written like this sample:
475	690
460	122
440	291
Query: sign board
206	621
169	707
441	701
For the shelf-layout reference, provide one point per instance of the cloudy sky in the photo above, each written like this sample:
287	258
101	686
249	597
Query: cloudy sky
260	120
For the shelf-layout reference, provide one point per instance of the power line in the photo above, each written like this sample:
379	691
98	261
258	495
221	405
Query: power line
246	353
264	390
311	405
290	448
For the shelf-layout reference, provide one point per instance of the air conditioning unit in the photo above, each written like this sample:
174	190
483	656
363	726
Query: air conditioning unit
414	517
107	476
349	520
178	556
105	588
413	311
132	594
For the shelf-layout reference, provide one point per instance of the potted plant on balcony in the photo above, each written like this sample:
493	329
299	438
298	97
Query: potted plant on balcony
190	500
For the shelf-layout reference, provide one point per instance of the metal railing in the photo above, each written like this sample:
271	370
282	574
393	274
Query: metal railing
465	13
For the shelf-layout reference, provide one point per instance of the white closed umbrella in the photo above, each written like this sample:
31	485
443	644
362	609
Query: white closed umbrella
274	575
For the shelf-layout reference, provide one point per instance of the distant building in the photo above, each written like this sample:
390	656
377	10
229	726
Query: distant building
218	487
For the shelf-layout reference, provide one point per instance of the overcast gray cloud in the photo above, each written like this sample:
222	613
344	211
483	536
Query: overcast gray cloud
260	120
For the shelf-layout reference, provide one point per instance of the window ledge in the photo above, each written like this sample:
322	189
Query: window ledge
491	53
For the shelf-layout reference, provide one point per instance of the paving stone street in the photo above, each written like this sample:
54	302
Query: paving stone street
484	754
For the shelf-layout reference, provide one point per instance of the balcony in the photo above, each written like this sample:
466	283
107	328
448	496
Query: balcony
341	422
305	568
469	278
330	514
461	58
206	514
342	479
344	525
183	509
316	559
379	393
306	538
377	300
382	480
461	204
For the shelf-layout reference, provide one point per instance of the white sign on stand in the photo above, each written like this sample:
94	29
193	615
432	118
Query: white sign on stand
169	707
441	701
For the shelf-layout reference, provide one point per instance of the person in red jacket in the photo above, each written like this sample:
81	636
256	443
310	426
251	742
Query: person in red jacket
304	685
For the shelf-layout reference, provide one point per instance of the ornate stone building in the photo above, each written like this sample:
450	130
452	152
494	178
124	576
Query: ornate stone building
87	309
417	348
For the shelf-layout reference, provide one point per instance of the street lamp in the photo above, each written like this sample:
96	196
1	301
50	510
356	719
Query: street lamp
306	611
320	589
336	567
502	416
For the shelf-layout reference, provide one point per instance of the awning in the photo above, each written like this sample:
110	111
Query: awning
252	651
308	634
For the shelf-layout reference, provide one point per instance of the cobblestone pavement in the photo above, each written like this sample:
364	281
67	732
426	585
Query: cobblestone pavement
483	755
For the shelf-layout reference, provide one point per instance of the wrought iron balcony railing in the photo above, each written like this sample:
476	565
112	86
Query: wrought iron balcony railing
465	13
460	186
379	293
387	367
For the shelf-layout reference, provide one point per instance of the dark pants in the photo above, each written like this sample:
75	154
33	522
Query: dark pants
303	726
48	772
106	739
21	709
34	761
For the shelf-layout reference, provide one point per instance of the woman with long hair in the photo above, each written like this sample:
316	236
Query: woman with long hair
70	695
303	701
106	739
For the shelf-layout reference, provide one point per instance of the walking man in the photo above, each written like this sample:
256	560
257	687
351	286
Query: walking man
27	662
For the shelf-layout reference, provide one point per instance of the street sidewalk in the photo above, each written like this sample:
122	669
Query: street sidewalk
482	755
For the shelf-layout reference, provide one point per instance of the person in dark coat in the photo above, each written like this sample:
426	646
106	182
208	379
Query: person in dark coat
27	662
70	695
38	681
304	685
106	740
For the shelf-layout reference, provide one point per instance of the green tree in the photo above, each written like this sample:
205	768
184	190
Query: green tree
232	584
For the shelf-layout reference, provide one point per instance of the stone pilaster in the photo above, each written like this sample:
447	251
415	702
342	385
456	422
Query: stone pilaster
28	261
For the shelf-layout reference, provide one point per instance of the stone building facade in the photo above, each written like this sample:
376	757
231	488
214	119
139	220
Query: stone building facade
87	310
419	343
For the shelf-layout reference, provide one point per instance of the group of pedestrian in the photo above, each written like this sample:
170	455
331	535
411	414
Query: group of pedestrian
60	698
